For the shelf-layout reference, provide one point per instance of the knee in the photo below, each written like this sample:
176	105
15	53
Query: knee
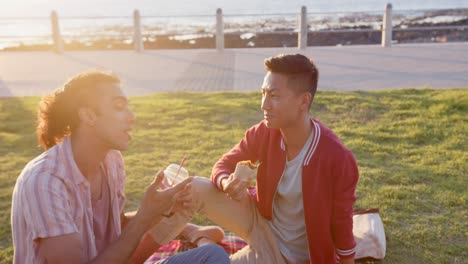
203	194
202	185
216	253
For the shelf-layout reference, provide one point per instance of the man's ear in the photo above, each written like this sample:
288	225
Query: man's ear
306	98
87	116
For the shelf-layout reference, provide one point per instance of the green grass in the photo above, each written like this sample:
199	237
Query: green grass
411	146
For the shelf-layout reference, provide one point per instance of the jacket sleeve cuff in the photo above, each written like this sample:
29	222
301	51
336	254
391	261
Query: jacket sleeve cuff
218	180
347	253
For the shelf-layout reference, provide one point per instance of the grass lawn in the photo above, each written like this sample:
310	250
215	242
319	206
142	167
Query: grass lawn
411	146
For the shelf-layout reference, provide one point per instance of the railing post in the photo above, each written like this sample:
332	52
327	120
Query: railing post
303	29
219	30
58	44
137	40
387	26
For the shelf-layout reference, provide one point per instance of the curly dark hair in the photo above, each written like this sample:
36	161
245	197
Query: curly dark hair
57	114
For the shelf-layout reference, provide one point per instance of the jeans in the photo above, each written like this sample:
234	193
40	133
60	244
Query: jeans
203	255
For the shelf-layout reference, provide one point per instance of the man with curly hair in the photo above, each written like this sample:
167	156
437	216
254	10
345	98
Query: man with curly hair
68	203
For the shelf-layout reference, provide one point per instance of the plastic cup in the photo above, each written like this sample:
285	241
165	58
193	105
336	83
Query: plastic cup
172	176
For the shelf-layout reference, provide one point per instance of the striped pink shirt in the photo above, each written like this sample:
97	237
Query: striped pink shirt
52	198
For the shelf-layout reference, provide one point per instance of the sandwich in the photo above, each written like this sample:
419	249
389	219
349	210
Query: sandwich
246	170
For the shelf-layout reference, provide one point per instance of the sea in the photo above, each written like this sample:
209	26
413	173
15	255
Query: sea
27	21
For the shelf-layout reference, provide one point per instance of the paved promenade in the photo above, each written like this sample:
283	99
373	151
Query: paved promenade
341	68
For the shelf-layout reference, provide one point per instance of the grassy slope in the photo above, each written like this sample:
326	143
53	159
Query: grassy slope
411	146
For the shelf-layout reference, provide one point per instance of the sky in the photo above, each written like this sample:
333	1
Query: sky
41	8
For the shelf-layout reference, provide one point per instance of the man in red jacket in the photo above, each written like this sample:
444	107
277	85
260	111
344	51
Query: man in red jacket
301	209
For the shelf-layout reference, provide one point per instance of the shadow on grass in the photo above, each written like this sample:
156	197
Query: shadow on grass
4	90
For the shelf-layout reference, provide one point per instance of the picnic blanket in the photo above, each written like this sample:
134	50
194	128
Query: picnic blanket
231	243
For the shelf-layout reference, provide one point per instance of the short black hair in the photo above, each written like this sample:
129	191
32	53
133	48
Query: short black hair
301	71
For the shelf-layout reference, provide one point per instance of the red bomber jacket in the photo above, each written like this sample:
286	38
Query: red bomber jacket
329	178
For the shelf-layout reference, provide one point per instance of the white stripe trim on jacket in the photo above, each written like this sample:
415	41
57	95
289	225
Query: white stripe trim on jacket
314	143
346	252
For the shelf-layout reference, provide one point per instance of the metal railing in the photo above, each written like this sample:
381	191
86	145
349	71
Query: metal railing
135	28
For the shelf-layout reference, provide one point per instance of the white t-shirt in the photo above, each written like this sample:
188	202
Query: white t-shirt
288	224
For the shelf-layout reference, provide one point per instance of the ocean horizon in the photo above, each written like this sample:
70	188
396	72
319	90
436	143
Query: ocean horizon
25	22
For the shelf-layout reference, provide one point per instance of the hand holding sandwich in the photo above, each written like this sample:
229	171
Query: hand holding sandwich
235	186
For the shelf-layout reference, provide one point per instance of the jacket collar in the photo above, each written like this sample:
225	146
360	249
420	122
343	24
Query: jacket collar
313	145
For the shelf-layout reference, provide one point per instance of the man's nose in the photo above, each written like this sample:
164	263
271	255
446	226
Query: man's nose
265	103
132	117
